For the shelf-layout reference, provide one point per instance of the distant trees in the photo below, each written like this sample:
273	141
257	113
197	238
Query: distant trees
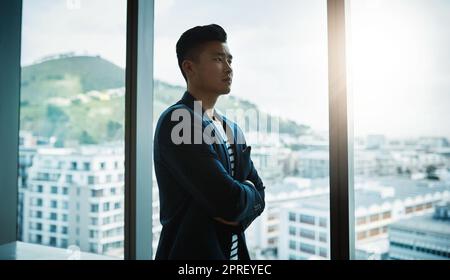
431	172
114	129
86	138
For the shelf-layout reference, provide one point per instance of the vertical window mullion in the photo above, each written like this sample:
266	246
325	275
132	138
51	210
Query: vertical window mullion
10	44
341	183
139	130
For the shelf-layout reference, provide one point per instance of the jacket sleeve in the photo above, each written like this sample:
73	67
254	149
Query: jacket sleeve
197	168
258	185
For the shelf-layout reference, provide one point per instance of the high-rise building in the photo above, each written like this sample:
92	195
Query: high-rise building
75	197
304	225
424	237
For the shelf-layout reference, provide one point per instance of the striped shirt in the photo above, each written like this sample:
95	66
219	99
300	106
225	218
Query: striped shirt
221	131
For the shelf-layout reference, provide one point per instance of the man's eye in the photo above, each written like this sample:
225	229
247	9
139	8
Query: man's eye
218	59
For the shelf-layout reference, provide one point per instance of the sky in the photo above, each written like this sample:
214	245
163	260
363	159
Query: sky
94	27
398	70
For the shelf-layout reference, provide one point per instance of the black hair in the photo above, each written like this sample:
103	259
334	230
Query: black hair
190	43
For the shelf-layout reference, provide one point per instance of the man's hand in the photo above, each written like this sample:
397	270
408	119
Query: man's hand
226	222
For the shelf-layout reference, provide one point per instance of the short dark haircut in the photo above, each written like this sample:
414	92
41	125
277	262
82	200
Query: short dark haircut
189	45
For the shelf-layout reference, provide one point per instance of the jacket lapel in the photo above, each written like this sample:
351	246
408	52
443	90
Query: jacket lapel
220	148
223	147
230	129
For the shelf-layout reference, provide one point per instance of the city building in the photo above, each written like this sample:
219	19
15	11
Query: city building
425	237
75	197
304	225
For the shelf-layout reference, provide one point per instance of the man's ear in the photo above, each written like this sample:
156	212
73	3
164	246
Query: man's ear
188	68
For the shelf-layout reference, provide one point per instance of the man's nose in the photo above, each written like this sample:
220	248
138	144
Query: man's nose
228	68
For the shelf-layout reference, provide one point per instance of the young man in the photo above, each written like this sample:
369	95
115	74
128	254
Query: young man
209	191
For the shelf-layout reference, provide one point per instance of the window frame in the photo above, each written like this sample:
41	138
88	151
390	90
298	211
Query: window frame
139	128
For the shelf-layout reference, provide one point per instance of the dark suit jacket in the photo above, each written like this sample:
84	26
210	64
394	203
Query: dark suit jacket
195	186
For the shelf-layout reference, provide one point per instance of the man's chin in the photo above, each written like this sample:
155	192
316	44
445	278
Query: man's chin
225	91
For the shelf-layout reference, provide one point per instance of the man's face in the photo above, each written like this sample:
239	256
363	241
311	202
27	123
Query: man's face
212	71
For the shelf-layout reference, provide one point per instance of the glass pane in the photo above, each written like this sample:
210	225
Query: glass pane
398	58
71	181
280	70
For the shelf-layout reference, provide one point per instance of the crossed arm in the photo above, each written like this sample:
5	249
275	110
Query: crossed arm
225	199
228	222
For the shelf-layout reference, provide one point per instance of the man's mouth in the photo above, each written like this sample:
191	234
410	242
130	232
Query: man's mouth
227	80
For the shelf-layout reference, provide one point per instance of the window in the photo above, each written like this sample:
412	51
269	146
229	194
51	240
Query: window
360	221
64	243
323	237
292	245
54	204
97	193
323	252
93	247
404	77
106	206
65	190
61	164
291	217
361	235
38	238
409	210
399	117
419	207
73	165
374	218
54	190
307	219
374	232
53	228
271	229
323	222
295	149
93	234
94	208
307	248
291	230
69	178
92	180
87	166
53	216
310	234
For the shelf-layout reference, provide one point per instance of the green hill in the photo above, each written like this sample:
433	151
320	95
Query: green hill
67	76
73	99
